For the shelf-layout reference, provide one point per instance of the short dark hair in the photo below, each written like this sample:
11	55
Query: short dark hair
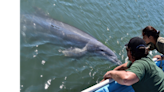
151	31
137	47
138	54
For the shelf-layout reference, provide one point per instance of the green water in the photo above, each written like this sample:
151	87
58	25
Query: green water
43	68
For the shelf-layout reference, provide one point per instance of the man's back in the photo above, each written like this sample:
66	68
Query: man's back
151	76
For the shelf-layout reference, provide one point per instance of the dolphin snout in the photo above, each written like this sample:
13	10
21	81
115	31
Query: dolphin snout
114	59
118	62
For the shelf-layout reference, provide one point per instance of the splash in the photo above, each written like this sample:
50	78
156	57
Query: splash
48	84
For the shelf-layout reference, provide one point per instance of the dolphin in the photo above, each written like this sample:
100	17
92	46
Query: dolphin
85	42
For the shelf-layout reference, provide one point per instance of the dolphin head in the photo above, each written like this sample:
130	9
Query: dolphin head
108	53
100	48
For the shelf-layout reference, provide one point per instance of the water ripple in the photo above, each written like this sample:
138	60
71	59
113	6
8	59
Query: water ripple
113	22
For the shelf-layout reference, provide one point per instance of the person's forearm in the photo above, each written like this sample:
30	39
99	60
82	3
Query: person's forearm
118	68
118	76
124	77
121	67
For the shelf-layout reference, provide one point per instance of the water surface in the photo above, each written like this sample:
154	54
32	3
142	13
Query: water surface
45	69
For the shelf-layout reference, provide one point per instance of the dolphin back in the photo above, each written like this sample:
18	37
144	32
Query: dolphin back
68	33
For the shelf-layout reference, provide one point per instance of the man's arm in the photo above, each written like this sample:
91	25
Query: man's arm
122	77
121	67
159	57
